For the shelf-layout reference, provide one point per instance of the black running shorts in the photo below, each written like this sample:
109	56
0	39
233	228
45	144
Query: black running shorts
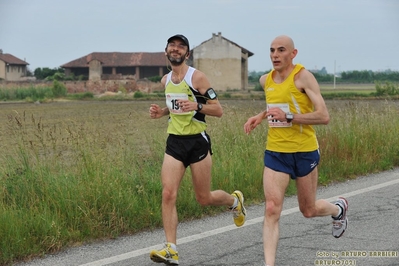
188	149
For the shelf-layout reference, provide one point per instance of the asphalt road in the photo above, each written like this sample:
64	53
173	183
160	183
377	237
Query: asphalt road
371	238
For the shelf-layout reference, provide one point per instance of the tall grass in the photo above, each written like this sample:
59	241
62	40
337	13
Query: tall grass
74	172
27	94
361	138
33	94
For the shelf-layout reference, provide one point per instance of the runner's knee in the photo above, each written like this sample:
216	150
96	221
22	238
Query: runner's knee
308	212
168	195
203	200
273	209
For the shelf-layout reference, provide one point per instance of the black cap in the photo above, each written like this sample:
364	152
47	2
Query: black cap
180	37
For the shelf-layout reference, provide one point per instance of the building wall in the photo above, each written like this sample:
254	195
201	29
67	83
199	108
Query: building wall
95	70
96	87
2	70
221	61
12	72
244	71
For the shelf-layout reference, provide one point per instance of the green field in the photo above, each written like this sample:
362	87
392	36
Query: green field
73	172
345	88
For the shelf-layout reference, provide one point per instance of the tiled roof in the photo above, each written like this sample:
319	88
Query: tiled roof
116	59
12	60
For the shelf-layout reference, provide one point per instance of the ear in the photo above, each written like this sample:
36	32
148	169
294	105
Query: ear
294	53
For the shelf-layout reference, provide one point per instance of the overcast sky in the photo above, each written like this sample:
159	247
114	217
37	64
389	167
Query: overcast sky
347	34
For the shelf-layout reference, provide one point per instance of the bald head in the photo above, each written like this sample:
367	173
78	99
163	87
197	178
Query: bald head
282	53
285	41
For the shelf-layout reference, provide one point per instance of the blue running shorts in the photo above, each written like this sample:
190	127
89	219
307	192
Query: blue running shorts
295	164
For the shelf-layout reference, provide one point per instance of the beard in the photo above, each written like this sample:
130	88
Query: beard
176	61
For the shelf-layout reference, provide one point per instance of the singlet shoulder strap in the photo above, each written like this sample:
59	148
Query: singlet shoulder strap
298	67
168	77
189	76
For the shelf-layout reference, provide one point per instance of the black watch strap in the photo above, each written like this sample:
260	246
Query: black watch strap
199	107
289	117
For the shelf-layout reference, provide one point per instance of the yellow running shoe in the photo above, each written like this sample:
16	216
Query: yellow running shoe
239	212
166	255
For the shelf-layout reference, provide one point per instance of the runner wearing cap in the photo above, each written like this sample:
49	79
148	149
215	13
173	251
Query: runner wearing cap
189	98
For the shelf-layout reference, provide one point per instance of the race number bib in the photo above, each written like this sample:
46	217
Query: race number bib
277	123
172	102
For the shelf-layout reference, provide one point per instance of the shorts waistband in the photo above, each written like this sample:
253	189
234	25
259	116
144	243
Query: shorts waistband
185	136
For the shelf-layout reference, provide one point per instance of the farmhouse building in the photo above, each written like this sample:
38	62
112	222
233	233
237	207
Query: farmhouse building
11	67
224	62
115	66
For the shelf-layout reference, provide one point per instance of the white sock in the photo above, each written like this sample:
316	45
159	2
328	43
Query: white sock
173	246
235	204
339	213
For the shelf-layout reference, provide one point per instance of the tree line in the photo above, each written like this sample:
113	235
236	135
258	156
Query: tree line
363	76
51	74
355	76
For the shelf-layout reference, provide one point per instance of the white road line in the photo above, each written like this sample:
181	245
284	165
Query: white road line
220	230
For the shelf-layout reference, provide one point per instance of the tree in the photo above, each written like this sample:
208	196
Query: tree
42	73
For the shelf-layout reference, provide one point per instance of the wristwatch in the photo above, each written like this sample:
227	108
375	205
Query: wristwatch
289	116
199	107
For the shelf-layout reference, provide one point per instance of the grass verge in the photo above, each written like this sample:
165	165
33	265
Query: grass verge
72	172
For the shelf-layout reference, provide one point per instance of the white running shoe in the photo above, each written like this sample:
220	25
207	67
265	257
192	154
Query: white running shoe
341	223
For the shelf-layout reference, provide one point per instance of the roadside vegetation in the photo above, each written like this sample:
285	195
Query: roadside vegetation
351	77
75	168
77	171
58	91
41	94
351	84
